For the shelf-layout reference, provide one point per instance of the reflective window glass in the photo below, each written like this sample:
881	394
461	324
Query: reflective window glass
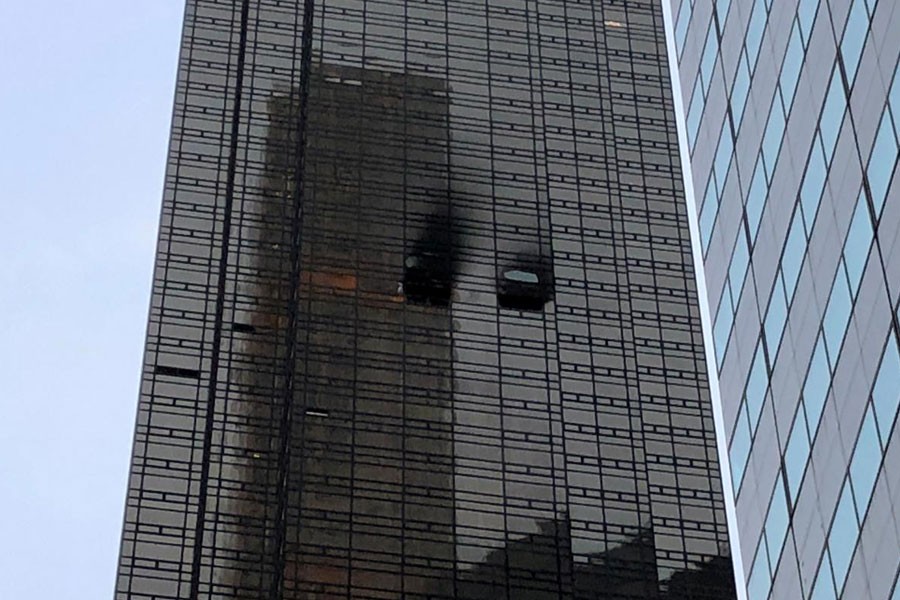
796	454
886	393
760	578
806	15
837	315
790	69
694	113
776	522
772	140
755	30
813	184
737	271
855	32
815	390
740	448
865	463
739	90
881	162
708	60
724	152
722	7
757	383
832	114
859	238
794	251
722	328
842	539
684	19
776	315
824	588
708	214
756	199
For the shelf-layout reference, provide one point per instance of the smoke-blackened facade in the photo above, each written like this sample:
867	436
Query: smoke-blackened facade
424	322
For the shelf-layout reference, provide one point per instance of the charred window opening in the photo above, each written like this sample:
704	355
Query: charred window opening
526	284
428	267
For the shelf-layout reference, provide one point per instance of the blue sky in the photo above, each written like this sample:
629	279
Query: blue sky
85	104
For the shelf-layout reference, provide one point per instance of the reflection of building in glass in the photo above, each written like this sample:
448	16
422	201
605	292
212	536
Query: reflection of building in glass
793	118
424	322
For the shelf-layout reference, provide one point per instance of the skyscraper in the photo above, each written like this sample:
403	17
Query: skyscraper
792	117
424	321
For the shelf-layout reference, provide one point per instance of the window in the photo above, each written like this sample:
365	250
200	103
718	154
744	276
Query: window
722	328
859	239
756	199
806	16
815	389
708	214
886	393
813	183
776	522
722	160
865	463
708	59
842	539
739	90
740	448
776	315
694	113
737	271
755	30
796	454
832	114
757	383
771	145
855	32
824	588
881	162
837	314
794	251
722	7
790	69
760	578
681	29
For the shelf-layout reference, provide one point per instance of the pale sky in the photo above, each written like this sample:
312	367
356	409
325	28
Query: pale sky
85	104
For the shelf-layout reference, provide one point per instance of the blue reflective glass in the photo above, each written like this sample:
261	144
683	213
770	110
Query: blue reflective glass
708	60
881	162
842	539
832	114
790	69
776	316
772	140
806	15
740	449
739	91
815	390
722	328
824	588
755	30
886	393
756	199
796	454
776	522
724	152
708	214
856	246
722	7
760	577
794	251
684	19
757	383
865	463
813	184
837	315
694	113
737	271
854	39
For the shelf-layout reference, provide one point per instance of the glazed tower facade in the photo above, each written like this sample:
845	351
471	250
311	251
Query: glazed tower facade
424	322
792	119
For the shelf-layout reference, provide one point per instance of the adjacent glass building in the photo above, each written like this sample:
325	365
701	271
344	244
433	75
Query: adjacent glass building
424	321
792	119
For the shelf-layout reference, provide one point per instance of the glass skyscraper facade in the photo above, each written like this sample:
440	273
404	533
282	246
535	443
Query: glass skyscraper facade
792	114
424	321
